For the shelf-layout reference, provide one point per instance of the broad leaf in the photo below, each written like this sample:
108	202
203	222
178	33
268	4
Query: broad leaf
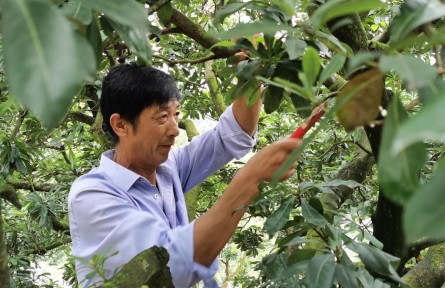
125	12
337	8
336	64
277	220
398	174
165	14
272	100
230	9
77	10
312	215
429	202
412	70
248	29
45	60
428	124
360	99
377	260
135	38
345	276
95	39
288	6
414	13
432	91
311	65
294	47
321	270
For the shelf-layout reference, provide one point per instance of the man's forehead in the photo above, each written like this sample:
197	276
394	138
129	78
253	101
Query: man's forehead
170	104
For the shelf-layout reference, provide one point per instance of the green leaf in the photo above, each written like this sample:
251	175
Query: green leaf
337	8
125	12
135	38
272	100
277	220
248	29
398	173
425	125
95	39
311	65
312	216
336	64
345	276
424	213
377	260
321	271
54	60
229	9
77	10
412	70
288	6
432	91
412	15
294	47
358	60
165	14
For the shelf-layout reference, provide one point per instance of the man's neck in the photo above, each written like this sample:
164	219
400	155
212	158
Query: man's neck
148	172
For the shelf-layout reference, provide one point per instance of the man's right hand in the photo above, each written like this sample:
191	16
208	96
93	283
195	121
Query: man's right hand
268	160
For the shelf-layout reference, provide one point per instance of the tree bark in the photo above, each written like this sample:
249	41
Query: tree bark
191	197
430	272
148	268
212	83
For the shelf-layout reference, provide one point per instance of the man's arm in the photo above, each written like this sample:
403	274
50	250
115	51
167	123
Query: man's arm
247	117
213	230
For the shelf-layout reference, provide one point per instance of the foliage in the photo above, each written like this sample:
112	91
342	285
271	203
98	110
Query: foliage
315	229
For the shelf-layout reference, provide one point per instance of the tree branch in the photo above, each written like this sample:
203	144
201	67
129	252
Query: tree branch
156	6
81	117
198	34
187	61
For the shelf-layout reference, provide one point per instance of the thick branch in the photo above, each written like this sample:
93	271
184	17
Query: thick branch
18	124
189	128
10	195
79	116
198	34
148	268
430	272
42	187
212	83
157	6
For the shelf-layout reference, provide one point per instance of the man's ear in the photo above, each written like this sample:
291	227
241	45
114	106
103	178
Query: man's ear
119	125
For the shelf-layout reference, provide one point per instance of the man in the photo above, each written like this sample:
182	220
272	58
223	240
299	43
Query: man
135	198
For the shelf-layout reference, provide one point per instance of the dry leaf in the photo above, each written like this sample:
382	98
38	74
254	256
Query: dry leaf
365	96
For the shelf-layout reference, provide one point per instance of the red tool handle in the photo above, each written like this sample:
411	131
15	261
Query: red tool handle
309	122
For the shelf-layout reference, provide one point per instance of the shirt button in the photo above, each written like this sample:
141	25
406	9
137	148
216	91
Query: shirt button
156	196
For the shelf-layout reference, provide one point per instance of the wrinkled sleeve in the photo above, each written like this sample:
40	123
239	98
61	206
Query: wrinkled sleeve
120	227
208	152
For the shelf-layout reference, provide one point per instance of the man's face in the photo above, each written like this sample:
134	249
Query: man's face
155	133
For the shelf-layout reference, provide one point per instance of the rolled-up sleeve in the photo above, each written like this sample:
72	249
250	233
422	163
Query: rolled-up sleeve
208	152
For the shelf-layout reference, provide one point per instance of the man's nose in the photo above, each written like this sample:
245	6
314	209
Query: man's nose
174	128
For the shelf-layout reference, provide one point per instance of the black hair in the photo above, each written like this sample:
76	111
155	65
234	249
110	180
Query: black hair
128	89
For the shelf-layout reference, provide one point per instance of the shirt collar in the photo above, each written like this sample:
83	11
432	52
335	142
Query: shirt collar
119	175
